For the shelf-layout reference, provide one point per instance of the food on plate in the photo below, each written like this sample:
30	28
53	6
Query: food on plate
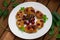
39	23
30	29
20	14
29	10
39	14
29	20
20	22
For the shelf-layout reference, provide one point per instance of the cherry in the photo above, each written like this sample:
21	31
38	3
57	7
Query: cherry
32	19
27	23
32	22
24	17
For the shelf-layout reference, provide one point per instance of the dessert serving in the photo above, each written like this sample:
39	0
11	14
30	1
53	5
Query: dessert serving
30	20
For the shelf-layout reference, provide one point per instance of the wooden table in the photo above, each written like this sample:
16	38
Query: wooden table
6	34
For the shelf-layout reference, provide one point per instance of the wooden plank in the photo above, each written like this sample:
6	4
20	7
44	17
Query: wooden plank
30	0
7	36
55	33
8	29
40	1
10	7
53	7
58	10
49	37
17	38
40	38
45	2
1	4
3	8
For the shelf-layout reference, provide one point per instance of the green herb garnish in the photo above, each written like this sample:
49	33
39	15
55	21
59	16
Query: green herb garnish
5	3
5	13
22	8
22	28
45	18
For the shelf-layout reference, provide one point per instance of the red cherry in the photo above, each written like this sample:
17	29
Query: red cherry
32	19
32	22
27	23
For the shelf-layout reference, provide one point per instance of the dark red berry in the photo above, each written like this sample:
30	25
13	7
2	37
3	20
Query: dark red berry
24	17
27	23
32	19
32	22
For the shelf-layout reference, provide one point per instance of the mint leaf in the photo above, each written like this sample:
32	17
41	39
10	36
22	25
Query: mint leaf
5	3
22	8
5	13
45	18
22	28
14	5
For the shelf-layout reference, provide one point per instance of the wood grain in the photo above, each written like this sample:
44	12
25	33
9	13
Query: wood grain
7	36
30	0
44	2
53	5
58	10
3	8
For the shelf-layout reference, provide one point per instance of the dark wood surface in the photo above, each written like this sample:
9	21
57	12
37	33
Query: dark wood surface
6	34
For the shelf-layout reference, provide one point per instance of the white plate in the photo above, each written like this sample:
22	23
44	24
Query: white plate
37	6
